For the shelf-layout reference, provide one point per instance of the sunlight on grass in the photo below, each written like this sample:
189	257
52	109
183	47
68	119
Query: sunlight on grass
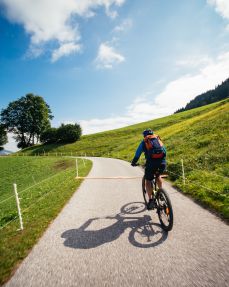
44	186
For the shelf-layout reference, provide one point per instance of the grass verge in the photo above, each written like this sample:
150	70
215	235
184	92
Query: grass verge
44	186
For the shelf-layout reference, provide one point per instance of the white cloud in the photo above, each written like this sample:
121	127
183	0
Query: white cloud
221	6
64	50
11	145
124	26
107	57
175	95
193	61
51	20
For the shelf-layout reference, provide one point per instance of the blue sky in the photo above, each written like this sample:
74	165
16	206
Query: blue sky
110	63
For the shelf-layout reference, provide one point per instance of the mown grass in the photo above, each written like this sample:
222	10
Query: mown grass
198	136
44	186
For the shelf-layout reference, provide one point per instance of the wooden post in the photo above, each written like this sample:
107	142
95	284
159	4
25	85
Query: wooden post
18	206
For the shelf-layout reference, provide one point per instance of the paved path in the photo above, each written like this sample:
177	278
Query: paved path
98	241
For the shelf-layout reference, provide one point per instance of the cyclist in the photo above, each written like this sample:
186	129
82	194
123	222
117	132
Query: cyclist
155	154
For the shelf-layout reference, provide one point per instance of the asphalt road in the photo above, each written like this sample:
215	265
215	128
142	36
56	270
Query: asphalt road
104	237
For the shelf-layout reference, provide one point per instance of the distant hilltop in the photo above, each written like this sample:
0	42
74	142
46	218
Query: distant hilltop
221	92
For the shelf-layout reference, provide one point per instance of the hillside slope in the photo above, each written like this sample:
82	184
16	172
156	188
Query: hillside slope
198	136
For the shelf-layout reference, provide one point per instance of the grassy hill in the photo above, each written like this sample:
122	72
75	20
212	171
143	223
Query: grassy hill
44	185
198	136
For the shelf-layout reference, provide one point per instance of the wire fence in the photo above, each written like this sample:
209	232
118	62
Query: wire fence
37	192
188	182
181	172
187	161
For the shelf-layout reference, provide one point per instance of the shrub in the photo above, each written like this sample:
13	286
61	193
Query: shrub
69	133
49	136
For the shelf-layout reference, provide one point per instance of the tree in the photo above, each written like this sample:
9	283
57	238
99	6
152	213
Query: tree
69	133
27	118
3	136
49	136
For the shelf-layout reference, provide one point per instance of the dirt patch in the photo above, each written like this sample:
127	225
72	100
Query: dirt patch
62	165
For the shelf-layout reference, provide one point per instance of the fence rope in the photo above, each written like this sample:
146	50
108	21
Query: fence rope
43	196
207	188
12	196
9	222
200	185
199	169
109	177
207	171
31	205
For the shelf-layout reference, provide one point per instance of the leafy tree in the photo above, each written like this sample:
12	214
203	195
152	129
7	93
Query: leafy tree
3	136
49	136
69	133
27	118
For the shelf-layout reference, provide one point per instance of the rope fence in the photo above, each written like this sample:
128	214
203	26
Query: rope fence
16	200
128	157
181	172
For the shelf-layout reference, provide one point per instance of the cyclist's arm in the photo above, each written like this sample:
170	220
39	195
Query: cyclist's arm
138	153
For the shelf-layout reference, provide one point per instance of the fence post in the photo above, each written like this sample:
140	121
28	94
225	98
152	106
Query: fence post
83	162
77	168
18	206
183	175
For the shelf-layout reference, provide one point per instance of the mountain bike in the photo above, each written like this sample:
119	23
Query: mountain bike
162	204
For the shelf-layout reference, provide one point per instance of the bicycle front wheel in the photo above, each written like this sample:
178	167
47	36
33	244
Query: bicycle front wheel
164	210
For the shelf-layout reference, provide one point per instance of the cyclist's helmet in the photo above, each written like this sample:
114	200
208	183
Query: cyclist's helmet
147	132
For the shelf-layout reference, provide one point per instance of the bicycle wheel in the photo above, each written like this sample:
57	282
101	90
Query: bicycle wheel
164	210
144	191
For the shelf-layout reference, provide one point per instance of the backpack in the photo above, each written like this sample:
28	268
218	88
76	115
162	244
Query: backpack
154	146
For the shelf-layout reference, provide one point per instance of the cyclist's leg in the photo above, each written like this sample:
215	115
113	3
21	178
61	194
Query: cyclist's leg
148	188
149	174
161	169
159	181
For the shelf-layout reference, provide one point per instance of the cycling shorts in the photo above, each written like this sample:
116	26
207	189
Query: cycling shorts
153	166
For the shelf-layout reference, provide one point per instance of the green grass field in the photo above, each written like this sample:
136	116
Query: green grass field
198	136
44	184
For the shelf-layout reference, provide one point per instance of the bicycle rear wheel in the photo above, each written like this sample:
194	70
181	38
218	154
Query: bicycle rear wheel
164	210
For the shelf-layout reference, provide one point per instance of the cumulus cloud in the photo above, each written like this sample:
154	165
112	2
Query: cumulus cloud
51	20
221	6
107	57
64	50
175	95
124	26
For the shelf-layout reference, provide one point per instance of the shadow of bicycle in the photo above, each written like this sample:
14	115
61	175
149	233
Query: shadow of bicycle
143	232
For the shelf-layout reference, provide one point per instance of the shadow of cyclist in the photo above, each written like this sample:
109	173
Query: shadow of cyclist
144	233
